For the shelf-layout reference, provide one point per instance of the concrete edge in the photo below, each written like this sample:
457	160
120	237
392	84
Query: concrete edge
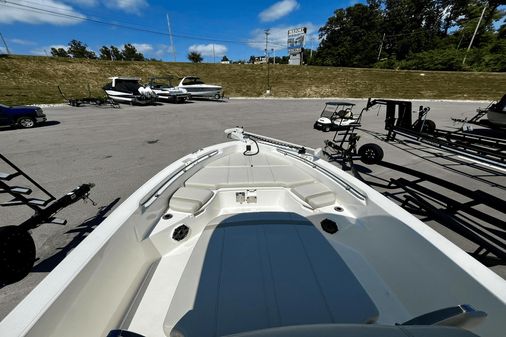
273	98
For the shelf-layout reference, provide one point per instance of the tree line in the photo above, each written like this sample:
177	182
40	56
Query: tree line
78	49
415	34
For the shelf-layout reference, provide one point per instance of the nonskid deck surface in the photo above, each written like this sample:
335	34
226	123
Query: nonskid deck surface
261	270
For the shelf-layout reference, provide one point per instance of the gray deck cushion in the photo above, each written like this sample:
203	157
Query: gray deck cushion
245	275
357	330
317	195
189	199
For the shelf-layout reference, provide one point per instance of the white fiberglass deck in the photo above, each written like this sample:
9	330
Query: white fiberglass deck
256	256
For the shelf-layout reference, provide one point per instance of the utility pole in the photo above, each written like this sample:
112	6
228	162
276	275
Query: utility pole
267	33
214	55
171	38
381	46
5	44
474	34
273	55
311	51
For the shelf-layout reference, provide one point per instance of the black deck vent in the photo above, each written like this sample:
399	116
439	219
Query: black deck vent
180	232
329	226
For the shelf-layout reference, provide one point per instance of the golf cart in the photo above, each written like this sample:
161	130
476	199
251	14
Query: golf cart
336	116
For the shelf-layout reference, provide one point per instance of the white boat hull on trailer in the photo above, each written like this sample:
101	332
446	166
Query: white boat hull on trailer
497	118
197	88
261	234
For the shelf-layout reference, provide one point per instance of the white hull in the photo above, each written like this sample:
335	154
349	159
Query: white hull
497	118
122	97
255	256
203	91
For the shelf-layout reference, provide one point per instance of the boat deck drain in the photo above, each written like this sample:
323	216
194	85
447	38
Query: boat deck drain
180	232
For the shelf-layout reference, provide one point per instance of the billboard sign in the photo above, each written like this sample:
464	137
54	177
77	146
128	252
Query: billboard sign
296	40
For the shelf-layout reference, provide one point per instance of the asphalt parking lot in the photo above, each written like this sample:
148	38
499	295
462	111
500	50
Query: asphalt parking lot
120	149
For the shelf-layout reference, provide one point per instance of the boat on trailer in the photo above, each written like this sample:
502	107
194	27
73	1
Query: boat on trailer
496	113
163	88
198	89
129	90
260	237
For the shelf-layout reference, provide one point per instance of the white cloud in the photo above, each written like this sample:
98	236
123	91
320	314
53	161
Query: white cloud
11	13
278	10
279	35
43	51
88	3
143	47
22	42
2	50
163	50
207	49
131	6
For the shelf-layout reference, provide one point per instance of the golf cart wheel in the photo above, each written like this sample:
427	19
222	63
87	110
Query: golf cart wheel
217	96
326	128
370	153
17	253
26	122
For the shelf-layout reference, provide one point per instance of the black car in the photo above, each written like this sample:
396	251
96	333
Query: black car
21	116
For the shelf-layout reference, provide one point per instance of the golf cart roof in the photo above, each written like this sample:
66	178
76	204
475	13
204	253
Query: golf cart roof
124	78
340	103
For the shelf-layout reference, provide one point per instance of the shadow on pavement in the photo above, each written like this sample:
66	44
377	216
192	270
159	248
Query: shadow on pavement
80	232
474	214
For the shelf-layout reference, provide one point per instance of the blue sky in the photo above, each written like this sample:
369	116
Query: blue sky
235	28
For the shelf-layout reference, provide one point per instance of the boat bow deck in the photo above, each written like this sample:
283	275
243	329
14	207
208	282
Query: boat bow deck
247	274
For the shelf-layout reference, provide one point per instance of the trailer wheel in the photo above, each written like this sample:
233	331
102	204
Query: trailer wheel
370	153
17	253
428	126
217	96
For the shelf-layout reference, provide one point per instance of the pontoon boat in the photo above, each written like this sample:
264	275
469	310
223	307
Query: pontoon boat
260	237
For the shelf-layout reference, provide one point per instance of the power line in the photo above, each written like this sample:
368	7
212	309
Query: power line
120	25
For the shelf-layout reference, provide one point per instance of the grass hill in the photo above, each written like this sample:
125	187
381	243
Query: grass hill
32	80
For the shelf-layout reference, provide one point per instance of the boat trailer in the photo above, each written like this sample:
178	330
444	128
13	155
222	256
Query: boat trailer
398	121
88	100
17	248
343	146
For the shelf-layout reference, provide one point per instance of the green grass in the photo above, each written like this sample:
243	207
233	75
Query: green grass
32	80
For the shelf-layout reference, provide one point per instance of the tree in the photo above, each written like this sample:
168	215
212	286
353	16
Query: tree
130	53
351	37
195	57
105	53
77	49
116	54
59	52
225	59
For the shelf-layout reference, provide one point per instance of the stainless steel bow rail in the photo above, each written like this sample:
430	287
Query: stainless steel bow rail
17	248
